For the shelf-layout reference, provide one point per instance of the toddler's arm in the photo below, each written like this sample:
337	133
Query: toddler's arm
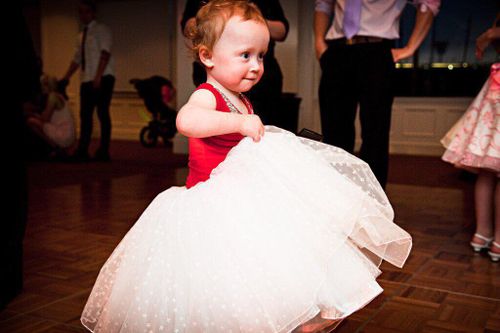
198	119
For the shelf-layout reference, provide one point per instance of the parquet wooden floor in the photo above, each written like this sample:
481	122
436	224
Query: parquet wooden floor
79	212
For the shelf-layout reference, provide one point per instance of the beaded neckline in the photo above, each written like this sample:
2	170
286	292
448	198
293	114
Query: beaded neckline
230	104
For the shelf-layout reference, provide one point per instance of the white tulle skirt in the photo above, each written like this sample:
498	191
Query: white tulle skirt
283	229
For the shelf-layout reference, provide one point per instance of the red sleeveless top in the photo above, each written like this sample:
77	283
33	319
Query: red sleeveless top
206	153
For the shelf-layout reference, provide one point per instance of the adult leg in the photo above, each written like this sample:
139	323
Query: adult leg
258	103
103	102
338	96
376	96
266	104
266	95
87	104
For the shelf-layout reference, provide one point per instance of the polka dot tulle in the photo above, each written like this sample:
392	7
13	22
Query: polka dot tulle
284	229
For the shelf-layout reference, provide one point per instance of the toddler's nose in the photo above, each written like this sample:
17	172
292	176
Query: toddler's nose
255	65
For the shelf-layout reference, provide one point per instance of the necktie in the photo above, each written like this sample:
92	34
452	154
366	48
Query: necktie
352	14
84	37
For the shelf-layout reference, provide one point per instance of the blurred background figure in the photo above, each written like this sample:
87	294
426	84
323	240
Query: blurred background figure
357	55
55	124
21	90
93	57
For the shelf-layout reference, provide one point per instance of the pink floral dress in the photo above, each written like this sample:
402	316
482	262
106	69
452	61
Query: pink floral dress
474	141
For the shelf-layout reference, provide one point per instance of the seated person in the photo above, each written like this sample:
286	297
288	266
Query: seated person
55	124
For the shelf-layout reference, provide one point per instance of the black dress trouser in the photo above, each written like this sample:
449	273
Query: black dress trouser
91	98
352	74
266	94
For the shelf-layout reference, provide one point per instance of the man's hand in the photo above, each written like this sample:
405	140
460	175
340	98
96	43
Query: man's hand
400	54
97	82
320	48
423	23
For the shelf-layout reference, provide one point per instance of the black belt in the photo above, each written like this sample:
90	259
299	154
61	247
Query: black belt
357	40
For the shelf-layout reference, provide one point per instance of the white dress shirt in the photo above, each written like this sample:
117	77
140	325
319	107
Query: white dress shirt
379	18
98	39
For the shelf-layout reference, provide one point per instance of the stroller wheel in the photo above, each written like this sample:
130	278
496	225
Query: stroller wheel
148	137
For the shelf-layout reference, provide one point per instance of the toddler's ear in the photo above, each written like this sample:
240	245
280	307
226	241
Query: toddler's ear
205	57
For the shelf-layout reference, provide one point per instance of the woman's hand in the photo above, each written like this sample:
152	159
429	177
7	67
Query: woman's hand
252	126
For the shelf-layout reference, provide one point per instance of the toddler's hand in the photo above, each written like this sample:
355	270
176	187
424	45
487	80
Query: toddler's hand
252	126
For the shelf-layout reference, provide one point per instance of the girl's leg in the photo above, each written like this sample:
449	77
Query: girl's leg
496	249
484	194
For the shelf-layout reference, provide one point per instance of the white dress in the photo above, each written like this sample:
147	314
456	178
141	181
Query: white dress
474	141
283	229
61	127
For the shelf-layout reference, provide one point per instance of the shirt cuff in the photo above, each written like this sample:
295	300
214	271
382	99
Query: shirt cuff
324	7
432	5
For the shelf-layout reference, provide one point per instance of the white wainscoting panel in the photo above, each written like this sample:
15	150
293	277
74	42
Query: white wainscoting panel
418	123
128	116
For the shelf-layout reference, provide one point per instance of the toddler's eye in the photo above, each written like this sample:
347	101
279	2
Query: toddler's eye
261	56
245	55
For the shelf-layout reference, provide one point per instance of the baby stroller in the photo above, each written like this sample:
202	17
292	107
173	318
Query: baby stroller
157	92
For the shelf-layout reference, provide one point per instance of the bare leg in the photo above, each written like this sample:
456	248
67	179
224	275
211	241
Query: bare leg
496	249
484	193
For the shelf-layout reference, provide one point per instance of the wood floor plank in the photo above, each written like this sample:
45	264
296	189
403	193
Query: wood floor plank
26	324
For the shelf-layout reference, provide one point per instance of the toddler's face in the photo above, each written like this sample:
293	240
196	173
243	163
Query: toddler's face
237	56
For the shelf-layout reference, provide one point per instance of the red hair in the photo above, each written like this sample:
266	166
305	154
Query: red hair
212	18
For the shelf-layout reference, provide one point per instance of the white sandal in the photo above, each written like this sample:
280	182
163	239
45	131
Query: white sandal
494	256
478	247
